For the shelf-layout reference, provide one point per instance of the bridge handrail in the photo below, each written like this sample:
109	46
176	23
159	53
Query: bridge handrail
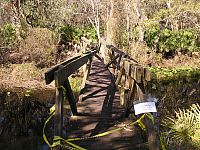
133	86
72	66
49	75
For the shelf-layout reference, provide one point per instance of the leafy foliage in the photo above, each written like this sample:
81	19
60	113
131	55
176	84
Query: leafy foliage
184	129
69	33
7	41
7	35
172	41
174	73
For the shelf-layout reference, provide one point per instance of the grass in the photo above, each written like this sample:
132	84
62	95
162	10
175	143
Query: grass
21	72
75	83
178	90
175	74
175	88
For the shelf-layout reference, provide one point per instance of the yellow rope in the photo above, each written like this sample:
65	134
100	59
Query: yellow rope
57	139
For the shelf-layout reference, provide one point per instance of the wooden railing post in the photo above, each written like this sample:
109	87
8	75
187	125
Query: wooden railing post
58	122
58	111
117	67
121	70
70	97
86	74
153	141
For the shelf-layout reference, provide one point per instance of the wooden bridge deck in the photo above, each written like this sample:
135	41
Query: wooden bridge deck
100	111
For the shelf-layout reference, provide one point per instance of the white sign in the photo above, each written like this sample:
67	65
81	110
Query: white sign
144	107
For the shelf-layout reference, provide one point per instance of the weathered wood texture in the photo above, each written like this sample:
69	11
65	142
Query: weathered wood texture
153	141
60	74
58	112
100	111
71	67
133	87
70	97
86	74
49	75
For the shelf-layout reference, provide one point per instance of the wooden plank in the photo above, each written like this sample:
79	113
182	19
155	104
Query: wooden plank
133	71
86	74
127	82
122	96
49	75
58	123
131	98
122	89
127	67
140	91
117	67
72	66
152	137
147	74
137	73
153	142
112	60
118	80
70	97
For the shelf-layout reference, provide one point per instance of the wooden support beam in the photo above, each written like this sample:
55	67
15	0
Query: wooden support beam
131	97
49	75
147	74
127	67
113	53
117	67
58	112
70	97
153	142
72	66
112	60
121	70
86	74
58	122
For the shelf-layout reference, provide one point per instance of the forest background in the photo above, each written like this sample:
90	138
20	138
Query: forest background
163	35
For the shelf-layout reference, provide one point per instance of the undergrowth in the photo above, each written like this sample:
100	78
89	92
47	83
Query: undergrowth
183	130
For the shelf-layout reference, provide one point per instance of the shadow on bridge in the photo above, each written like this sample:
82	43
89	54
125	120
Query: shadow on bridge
100	111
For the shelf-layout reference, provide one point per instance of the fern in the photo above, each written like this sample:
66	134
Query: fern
184	128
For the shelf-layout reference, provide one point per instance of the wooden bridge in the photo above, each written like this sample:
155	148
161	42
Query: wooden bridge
105	102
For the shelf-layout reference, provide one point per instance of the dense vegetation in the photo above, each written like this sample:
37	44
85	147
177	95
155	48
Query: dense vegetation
161	34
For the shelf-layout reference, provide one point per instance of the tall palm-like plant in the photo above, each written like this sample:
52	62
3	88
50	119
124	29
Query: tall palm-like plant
184	129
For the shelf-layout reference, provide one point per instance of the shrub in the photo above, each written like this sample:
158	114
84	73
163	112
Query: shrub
7	41
184	129
38	47
165	40
7	36
68	33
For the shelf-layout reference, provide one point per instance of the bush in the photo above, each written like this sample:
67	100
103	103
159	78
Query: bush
7	41
68	33
38	47
7	36
165	40
184	129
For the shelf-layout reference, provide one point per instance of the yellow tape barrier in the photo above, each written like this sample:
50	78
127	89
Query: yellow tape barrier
57	141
